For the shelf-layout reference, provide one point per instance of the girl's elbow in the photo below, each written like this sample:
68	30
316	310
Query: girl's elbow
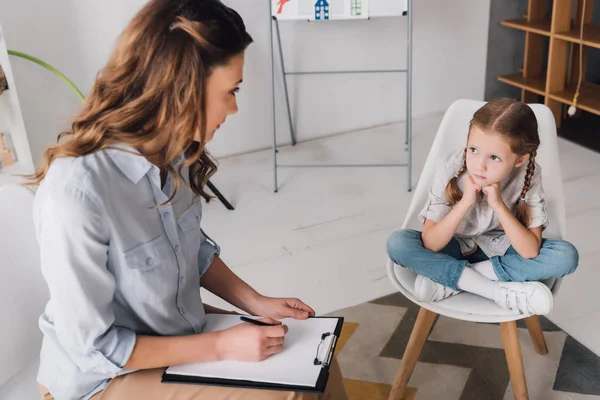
530	254
435	249
430	246
531	250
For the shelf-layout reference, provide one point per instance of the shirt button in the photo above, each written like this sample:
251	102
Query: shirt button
167	214
149	262
181	279
177	248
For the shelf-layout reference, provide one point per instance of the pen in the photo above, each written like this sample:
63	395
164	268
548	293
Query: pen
254	321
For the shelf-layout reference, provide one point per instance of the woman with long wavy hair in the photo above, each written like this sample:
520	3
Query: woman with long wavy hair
117	214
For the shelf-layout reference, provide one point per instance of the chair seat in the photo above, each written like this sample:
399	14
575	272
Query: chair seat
464	306
22	386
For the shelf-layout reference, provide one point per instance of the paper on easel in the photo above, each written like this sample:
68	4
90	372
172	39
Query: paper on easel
320	10
293	366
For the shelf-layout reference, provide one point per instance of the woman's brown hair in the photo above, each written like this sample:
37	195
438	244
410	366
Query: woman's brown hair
155	83
515	121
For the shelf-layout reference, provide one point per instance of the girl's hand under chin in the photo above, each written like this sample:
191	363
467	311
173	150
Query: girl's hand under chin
471	190
492	193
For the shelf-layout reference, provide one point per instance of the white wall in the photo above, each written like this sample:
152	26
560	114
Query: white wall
74	36
450	44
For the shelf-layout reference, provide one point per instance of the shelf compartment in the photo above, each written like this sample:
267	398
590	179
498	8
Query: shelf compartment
535	85
591	35
540	27
589	97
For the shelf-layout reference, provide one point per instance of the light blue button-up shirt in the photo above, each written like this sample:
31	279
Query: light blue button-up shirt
116	265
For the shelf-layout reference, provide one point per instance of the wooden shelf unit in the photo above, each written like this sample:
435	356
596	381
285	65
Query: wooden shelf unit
532	84
588	100
541	27
591	36
558	82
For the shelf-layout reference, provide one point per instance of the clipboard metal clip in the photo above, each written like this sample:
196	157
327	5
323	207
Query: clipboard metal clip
329	353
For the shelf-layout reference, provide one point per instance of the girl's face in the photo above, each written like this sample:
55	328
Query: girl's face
489	157
221	89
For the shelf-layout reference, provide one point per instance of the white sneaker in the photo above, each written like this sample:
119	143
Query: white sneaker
429	291
526	298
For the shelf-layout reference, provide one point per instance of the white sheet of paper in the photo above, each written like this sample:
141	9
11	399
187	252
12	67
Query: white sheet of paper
293	366
338	9
308	9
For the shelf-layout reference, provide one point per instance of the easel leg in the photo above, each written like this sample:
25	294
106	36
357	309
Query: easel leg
272	84
214	189
285	87
409	39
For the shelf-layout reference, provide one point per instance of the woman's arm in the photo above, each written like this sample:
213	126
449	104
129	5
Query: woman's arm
73	240
221	281
243	342
156	352
215	310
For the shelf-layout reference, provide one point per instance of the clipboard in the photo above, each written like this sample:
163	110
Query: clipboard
294	369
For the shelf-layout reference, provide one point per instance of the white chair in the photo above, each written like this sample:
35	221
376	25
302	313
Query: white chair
23	295
452	135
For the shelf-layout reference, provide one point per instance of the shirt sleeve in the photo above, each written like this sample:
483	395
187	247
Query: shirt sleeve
436	207
536	202
74	252
208	250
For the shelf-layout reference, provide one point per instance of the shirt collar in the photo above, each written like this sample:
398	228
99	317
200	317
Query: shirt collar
178	161
132	163
129	161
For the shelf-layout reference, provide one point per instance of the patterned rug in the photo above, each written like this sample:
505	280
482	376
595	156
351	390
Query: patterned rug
460	361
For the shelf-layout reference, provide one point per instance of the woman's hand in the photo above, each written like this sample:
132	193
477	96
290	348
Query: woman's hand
492	193
278	308
251	343
470	192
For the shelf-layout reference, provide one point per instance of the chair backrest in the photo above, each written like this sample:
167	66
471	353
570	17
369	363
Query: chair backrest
23	292
452	135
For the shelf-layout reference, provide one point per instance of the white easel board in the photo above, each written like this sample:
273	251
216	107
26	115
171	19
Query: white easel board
323	10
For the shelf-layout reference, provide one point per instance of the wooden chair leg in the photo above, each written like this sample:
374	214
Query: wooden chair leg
418	337
514	359
537	335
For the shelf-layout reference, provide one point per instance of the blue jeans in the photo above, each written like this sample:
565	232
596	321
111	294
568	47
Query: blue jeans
557	258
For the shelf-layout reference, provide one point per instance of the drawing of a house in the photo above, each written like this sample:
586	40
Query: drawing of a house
321	10
356	7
